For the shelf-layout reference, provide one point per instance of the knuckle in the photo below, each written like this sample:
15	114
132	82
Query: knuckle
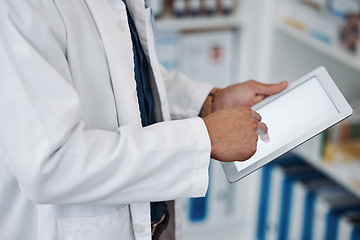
246	110
256	137
252	150
249	110
254	123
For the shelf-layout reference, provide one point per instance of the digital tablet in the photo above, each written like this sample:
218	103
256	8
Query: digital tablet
307	107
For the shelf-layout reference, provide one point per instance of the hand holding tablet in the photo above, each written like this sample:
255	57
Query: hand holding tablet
232	133
233	127
307	107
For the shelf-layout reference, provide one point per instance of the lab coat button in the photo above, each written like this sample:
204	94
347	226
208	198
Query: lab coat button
139	228
121	25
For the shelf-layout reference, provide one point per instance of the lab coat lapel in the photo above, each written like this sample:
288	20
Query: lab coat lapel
120	59
146	35
136	8
120	56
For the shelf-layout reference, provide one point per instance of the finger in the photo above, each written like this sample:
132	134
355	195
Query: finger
256	116
262	131
259	98
261	128
268	89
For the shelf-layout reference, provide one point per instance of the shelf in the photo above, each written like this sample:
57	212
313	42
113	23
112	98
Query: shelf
188	23
334	52
332	172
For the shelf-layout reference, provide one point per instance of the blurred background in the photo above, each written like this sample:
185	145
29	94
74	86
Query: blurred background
312	192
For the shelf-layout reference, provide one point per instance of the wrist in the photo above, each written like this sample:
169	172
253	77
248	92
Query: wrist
217	103
207	107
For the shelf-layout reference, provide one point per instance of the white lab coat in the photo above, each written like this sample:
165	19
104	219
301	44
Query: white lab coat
75	162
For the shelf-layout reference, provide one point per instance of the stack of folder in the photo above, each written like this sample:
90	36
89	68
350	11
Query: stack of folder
299	203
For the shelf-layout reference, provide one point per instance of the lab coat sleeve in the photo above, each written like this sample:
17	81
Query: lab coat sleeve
185	96
56	160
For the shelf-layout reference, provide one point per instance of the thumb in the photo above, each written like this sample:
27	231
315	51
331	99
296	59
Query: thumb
269	89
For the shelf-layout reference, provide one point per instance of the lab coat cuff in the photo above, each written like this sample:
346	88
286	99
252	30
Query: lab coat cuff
202	160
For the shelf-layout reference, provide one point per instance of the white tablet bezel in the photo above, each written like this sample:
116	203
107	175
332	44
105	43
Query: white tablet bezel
336	97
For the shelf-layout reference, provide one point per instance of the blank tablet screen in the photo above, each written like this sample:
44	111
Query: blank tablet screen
291	117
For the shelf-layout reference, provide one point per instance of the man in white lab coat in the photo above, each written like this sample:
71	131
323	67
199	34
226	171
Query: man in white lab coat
75	161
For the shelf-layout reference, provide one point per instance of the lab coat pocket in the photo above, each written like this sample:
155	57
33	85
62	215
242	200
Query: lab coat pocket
116	225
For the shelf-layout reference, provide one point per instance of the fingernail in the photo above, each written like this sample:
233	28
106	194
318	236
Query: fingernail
265	137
